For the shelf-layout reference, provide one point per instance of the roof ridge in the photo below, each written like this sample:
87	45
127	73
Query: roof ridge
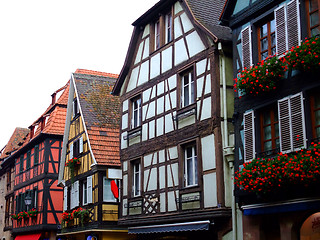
96	73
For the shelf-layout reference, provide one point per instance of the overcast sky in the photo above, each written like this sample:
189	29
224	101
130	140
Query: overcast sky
42	42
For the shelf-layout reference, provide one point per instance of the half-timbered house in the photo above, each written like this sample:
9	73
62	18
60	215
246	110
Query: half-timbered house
90	167
7	181
38	199
176	132
277	119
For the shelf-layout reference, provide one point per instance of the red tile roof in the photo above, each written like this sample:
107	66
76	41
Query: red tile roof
96	73
14	143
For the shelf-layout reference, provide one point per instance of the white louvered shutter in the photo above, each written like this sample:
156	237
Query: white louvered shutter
297	122
71	150
293	24
89	190
284	125
81	144
246	47
72	202
76	194
281	29
65	198
249	139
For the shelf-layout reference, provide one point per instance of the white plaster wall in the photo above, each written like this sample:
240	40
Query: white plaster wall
145	179
177	8
147	160
206	108
168	123
166	59
186	23
162	202
162	177
195	44
146	95
162	156
125	166
144	73
146	49
146	31
177	27
153	180
171	202
208	153
173	178
151	129
139	53
210	193
144	132
173	153
155	66
160	126
160	105
152	110
160	88
180	52
201	66
133	79
208	84
172	82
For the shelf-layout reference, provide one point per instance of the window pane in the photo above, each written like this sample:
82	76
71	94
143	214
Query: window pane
313	5
190	172
267	133
264	30
264	44
314	18
268	146
315	31
186	95
317	117
107	193
264	55
192	92
272	26
318	132
266	118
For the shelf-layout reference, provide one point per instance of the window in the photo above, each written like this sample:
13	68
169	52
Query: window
269	130
136	178
28	162
75	107
313	12
21	163
36	154
267	40
85	192
162	31
315	115
107	193
190	165
187	89
76	147
135	112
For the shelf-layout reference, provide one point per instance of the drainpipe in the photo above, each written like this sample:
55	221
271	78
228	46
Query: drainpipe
228	150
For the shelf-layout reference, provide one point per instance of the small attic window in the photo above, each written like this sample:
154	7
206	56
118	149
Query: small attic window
103	133
75	107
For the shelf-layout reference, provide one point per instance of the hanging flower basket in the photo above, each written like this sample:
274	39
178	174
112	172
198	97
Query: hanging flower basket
305	57
67	218
33	212
73	163
261	78
272	175
81	213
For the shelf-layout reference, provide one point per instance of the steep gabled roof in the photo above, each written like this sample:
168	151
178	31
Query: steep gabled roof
204	14
15	141
101	114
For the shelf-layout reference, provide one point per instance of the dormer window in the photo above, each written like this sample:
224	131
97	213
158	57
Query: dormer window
162	31
75	107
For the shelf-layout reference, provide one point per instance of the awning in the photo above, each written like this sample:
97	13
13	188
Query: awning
281	207
35	236
175	227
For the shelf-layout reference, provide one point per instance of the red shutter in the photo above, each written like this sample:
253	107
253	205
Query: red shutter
246	47
284	125
297	122
281	29
249	140
293	26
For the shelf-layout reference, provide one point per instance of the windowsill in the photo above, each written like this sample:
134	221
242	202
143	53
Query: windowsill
186	111
160	48
135	132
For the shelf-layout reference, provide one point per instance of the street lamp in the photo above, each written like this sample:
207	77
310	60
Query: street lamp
27	201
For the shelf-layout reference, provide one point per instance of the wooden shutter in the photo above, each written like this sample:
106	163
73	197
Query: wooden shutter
76	194
249	139
65	198
71	150
81	144
284	125
89	189
246	47
293	24
72	198
297	122
281	29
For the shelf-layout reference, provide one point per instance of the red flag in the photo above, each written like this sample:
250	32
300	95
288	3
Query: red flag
114	189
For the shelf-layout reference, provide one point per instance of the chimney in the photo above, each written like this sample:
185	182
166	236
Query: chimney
53	98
